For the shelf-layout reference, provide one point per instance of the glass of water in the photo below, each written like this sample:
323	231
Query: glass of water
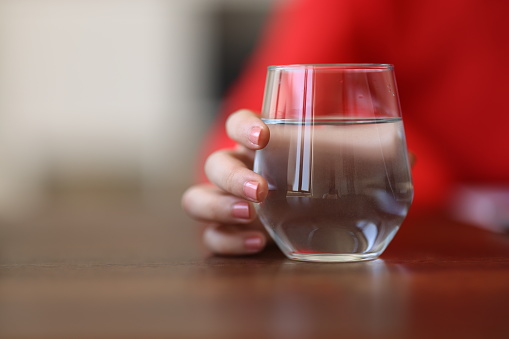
336	163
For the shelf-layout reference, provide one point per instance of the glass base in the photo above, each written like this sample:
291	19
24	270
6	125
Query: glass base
332	257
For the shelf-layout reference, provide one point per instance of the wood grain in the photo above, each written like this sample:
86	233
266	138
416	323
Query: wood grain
123	270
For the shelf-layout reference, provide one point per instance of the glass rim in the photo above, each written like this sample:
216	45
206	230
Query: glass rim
353	66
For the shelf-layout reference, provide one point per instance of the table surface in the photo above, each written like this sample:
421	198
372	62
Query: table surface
107	269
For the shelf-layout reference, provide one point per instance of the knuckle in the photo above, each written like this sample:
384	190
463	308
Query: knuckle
241	112
233	180
214	210
187	199
238	121
231	121
212	161
212	239
222	239
204	203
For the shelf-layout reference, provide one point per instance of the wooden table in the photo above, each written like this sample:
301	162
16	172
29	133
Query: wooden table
121	270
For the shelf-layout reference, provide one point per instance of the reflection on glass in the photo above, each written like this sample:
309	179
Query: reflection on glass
336	164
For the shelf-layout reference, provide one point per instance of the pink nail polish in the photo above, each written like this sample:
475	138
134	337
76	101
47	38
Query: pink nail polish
253	244
240	210
251	190
254	135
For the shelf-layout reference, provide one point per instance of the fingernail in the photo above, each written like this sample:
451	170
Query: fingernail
251	190
254	135
240	210
253	244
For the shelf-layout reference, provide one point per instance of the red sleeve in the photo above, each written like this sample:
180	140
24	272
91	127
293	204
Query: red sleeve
432	44
298	32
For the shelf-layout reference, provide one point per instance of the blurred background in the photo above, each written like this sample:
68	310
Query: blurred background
107	99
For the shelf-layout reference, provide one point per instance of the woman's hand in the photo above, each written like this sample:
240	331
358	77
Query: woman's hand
226	204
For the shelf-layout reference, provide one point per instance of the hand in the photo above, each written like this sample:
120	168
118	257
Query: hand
226	204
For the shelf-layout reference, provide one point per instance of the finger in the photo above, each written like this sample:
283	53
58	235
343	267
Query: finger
211	204
246	128
232	240
228	171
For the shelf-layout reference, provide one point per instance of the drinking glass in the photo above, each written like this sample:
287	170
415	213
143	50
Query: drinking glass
336	164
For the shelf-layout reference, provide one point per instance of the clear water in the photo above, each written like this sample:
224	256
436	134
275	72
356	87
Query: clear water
338	189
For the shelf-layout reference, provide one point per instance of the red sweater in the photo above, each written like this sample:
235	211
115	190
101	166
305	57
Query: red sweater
452	66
